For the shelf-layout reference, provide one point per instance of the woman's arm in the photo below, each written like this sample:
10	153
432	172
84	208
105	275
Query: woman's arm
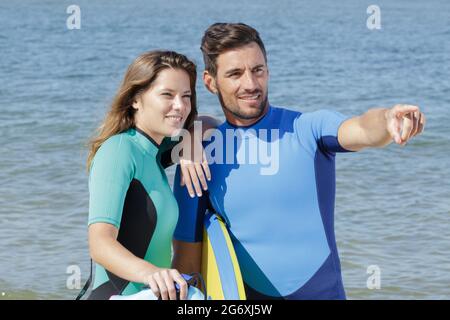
108	252
194	166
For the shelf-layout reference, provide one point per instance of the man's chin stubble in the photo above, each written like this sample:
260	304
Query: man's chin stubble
243	116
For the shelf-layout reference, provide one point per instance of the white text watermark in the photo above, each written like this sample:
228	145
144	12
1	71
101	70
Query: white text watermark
233	147
74	280
374	280
74	20
374	20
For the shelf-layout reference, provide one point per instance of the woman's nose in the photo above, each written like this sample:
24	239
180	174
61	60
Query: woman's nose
178	103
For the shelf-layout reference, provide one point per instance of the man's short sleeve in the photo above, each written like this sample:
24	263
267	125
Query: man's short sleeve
320	128
191	212
110	175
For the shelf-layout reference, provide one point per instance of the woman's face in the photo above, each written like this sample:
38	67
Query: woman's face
164	107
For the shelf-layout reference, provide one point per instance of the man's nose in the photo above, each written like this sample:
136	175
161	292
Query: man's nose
249	82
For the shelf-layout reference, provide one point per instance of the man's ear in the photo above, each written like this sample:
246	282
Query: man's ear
210	82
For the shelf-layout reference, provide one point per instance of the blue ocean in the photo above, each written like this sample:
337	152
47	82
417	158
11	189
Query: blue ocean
56	83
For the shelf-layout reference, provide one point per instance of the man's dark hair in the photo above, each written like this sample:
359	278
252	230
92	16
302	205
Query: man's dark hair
221	37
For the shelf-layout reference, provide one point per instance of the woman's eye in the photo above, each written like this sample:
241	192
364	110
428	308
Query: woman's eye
187	96
167	94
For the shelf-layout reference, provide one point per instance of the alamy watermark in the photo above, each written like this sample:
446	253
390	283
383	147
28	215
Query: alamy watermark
74	20
374	20
374	280
234	146
74	279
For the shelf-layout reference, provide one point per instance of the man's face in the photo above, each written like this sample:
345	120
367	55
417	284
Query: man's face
241	84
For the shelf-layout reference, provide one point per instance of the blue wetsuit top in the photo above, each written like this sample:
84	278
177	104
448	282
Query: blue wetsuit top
280	216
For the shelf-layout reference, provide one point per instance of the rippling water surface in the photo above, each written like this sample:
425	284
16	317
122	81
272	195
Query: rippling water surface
392	204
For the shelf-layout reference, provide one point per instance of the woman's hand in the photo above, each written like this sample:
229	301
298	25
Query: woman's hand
108	252
162	283
194	166
193	163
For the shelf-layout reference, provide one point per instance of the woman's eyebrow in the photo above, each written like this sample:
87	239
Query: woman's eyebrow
172	90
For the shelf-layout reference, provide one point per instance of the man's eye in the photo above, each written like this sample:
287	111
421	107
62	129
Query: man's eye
232	73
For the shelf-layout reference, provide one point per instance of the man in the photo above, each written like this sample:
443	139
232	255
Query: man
281	222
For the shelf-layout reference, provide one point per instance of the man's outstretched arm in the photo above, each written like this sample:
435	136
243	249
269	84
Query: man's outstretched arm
380	127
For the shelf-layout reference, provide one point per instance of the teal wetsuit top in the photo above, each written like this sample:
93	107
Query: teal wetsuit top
129	189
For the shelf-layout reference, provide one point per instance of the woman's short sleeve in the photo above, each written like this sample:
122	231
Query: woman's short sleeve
110	175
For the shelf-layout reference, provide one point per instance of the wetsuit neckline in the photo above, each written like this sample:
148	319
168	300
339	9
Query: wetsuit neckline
269	110
147	142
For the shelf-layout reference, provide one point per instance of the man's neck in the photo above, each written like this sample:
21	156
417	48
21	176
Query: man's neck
239	122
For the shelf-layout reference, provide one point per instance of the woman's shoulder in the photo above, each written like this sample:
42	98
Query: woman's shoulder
120	142
118	148
114	161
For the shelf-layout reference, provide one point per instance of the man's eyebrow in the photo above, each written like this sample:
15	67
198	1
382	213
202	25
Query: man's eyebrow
258	66
232	71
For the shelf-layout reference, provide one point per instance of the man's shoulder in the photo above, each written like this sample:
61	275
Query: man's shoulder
283	117
286	111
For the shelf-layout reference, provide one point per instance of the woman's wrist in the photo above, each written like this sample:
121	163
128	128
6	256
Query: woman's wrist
146	272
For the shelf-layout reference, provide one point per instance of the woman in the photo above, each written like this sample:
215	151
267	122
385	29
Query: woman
132	211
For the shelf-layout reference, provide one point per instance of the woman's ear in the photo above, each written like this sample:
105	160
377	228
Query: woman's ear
136	104
210	82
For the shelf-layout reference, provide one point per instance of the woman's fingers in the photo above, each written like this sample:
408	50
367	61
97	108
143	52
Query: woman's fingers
194	179
201	175
153	286
194	168
181	283
170	285
187	178
161	285
205	166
